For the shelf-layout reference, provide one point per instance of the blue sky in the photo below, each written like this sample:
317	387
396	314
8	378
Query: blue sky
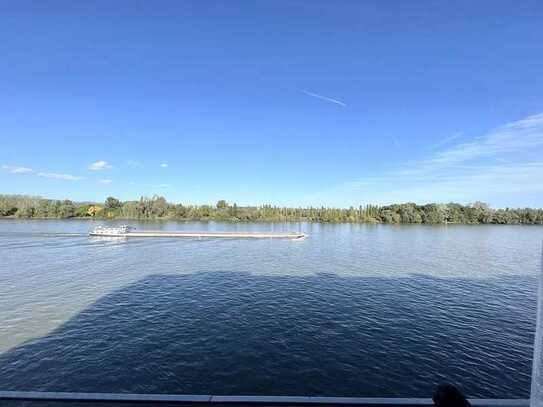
284	102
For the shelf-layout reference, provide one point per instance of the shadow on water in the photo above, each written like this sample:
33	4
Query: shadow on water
237	333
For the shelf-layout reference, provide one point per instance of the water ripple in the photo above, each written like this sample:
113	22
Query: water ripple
357	311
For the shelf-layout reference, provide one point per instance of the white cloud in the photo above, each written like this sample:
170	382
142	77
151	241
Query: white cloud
132	183
54	175
164	185
105	181
17	170
326	98
99	166
164	165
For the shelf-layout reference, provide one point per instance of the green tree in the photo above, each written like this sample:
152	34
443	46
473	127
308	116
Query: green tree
389	216
409	213
435	213
159	206
129	210
26	209
6	207
181	211
67	209
112	203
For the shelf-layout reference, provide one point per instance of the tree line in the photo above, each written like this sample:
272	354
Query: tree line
156	207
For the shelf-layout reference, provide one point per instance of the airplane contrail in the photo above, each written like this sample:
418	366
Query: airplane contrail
316	95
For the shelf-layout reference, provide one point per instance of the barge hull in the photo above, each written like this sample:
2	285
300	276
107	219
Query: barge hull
228	235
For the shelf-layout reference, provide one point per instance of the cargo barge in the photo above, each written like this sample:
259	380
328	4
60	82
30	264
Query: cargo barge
128	231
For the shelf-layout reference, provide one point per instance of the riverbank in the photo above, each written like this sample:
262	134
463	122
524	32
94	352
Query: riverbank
157	208
258	221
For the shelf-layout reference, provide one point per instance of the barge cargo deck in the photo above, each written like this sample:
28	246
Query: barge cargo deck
125	231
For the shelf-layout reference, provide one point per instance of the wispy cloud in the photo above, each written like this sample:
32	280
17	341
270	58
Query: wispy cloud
164	165
100	165
105	181
520	135
54	175
485	168
447	140
17	170
163	186
322	97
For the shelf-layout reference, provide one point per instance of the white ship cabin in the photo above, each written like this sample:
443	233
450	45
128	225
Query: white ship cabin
111	231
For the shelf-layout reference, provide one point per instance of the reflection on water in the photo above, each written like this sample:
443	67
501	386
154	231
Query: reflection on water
536	389
352	310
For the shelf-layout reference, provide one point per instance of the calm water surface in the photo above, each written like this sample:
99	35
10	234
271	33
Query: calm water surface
354	310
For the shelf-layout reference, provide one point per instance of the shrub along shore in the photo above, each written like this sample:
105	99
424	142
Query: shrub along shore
20	206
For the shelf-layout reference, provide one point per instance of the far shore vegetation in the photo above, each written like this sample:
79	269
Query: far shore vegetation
21	206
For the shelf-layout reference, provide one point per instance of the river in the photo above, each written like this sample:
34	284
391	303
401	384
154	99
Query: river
353	310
